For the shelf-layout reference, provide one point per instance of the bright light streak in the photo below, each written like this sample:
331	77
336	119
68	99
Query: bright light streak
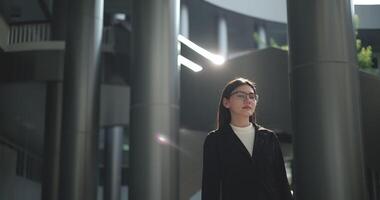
216	59
162	139
188	63
120	16
366	2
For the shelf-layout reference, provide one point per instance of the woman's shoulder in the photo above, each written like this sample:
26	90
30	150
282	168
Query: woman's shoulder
265	131
211	138
214	133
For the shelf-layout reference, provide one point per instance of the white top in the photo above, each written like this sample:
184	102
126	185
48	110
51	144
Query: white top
246	136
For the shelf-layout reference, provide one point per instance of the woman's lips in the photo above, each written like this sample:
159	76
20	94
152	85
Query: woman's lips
247	107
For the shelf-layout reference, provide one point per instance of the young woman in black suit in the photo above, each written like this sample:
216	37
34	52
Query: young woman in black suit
242	160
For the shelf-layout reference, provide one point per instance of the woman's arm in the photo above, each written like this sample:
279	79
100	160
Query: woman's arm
211	172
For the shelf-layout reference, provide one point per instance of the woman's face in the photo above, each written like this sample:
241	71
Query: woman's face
242	101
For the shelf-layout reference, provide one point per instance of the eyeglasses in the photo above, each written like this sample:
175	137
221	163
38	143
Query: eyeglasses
244	96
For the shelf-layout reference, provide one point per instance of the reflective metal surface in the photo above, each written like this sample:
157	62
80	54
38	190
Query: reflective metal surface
155	101
325	100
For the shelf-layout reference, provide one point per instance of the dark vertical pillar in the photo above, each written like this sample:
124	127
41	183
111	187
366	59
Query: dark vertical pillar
52	141
59	19
155	101
79	166
113	149
53	110
374	184
325	98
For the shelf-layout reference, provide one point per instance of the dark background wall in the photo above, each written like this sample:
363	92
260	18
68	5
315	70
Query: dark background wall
268	68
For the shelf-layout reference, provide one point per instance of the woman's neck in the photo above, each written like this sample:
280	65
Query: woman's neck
240	122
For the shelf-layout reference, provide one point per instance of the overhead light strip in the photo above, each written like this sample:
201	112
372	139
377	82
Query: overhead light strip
189	64
216	59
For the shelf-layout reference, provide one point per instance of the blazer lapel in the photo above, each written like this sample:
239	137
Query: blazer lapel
258	143
238	142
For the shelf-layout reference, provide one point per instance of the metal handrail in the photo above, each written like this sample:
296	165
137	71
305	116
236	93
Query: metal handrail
27	32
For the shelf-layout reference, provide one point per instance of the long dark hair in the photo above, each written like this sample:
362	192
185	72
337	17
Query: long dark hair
224	116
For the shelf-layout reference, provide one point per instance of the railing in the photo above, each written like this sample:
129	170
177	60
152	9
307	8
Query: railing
40	31
25	36
29	32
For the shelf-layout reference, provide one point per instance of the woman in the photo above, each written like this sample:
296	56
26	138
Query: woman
242	161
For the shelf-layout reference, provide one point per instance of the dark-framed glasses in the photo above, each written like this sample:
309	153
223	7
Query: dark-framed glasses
244	96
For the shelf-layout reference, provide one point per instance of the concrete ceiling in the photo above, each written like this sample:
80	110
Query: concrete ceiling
271	10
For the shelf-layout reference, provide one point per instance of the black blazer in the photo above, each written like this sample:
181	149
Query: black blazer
231	173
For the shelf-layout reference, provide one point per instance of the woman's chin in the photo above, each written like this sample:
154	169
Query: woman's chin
246	114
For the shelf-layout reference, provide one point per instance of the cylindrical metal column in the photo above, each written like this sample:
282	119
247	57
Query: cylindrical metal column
325	100
184	21
113	150
223	37
79	166
263	38
155	101
52	141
